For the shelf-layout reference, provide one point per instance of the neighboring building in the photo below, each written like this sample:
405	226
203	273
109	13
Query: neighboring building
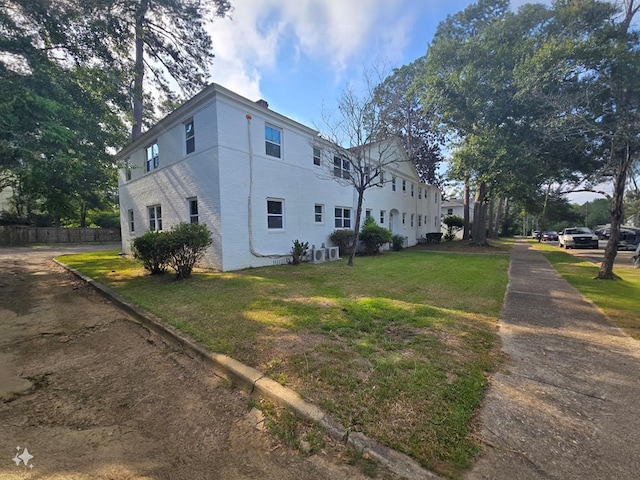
455	206
258	180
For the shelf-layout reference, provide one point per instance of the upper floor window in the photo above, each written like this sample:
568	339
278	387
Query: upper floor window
382	212
190	136
367	213
193	210
404	185
318	213
412	189
316	156
381	178
341	168
413	216
419	220
273	141
342	217
404	218
393	183
449	211
132	224
275	214
155	217
419	192
152	157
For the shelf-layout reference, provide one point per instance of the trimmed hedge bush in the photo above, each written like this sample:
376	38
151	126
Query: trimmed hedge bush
180	248
373	236
343	239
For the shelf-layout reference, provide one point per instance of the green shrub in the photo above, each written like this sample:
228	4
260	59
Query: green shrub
397	242
298	251
452	222
179	248
187	244
374	236
343	239
152	249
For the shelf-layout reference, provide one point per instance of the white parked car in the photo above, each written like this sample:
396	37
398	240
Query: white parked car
577	237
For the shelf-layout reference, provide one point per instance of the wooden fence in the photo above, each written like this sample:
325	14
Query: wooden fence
15	235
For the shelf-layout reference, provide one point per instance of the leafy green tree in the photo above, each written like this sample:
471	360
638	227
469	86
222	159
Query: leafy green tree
586	74
403	113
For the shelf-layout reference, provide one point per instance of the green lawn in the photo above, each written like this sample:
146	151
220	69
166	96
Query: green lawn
399	347
618	299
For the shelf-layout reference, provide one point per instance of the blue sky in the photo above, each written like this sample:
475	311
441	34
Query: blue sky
299	55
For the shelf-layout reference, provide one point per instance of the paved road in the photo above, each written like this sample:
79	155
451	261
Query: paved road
92	395
566	404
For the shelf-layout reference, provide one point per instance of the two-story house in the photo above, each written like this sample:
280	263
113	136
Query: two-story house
258	180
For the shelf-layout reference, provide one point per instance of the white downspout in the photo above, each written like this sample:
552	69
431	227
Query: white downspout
250	199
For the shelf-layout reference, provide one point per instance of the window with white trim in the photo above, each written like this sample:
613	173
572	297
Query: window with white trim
155	217
193	210
393	183
152	157
341	168
317	155
367	213
190	137
449	211
404	185
412	219
412	190
404	218
273	141
419	220
275	214
318	213
419	192
382	212
342	217
132	223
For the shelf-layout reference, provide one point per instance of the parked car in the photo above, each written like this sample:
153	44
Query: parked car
576	237
549	236
628	239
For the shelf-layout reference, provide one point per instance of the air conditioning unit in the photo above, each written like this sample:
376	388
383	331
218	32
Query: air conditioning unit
333	254
318	255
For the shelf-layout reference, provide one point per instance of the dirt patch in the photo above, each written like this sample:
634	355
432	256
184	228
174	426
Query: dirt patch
91	394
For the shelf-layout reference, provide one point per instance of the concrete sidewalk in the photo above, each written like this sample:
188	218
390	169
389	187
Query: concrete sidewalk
566	404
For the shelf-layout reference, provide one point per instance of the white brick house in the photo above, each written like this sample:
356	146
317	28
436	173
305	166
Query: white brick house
252	176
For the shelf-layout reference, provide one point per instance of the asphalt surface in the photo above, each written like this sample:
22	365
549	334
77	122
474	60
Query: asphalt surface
565	405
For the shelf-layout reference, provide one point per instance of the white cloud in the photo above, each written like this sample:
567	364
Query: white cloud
336	33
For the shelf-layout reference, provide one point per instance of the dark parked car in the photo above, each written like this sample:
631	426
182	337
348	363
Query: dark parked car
549	236
576	237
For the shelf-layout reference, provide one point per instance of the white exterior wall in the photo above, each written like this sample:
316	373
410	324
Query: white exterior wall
232	177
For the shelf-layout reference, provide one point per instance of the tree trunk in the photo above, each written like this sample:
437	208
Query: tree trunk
479	230
491	232
83	215
617	213
356	228
498	218
138	73
466	232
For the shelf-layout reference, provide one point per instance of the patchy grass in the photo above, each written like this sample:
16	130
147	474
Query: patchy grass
398	347
618	299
